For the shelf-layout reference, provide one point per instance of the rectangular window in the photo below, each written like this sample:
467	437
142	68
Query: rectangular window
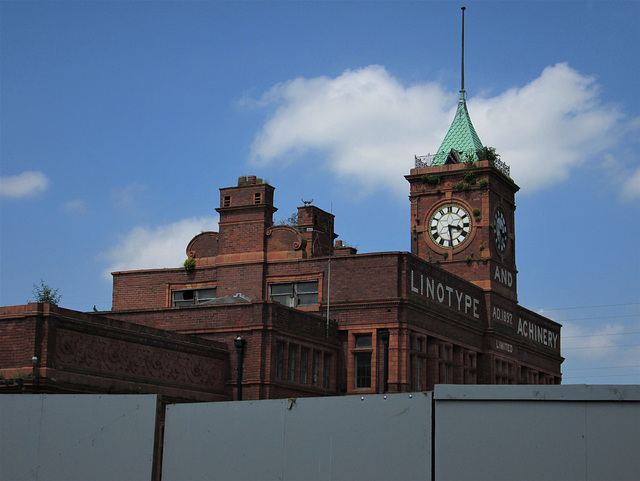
363	370
362	360
257	198
226	201
446	365
295	294
279	359
419	374
326	382
470	369
291	374
363	341
316	362
304	364
192	297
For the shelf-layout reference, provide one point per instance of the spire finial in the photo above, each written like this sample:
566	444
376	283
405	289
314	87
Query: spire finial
462	69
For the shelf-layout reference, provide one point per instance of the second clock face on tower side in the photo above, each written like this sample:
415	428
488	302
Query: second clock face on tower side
500	229
450	225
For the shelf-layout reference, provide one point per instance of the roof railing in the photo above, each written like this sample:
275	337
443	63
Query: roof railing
423	161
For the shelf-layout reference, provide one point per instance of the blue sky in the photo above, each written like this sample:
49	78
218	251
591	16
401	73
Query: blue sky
119	122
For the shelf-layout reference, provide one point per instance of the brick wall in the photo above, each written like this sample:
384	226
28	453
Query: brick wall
84	353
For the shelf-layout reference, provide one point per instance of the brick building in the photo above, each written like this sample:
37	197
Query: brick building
296	313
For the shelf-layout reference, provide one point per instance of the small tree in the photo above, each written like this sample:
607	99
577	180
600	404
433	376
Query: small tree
44	294
292	221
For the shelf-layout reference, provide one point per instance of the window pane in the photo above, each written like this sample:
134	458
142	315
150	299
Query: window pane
316	361
279	359
292	362
363	341
182	303
205	294
363	370
286	288
304	363
307	286
308	299
327	371
182	295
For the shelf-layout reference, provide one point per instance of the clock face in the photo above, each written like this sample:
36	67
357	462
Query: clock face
500	229
450	225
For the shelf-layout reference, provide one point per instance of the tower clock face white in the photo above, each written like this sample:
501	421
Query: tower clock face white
500	229
450	225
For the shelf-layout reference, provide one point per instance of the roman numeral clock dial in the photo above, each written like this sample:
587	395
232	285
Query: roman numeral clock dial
450	226
500	230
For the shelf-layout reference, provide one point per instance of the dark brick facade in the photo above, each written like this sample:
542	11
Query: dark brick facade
314	318
47	349
442	327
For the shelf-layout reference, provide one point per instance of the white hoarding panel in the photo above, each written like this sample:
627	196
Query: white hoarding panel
76	437
352	438
561	433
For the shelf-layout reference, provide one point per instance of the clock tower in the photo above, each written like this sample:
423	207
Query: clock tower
463	205
462	210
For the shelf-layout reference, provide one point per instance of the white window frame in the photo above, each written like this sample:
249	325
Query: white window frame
292	292
200	297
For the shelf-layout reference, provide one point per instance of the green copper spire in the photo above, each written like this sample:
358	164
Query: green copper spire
461	137
462	141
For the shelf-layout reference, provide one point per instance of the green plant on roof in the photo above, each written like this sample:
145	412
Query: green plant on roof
44	294
469	159
487	153
462	186
189	264
469	176
430	179
292	220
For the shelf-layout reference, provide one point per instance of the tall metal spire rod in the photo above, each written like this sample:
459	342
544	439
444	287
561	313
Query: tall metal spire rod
462	76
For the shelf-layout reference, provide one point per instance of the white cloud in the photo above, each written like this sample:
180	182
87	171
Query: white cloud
554	123
369	126
367	123
26	184
591	343
156	247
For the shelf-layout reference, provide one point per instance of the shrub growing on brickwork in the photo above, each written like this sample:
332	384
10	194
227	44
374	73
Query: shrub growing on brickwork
292	221
189	264
430	179
44	294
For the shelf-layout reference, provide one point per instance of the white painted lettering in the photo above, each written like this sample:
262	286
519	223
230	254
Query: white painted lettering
444	294
503	276
449	290
467	303
430	288
537	333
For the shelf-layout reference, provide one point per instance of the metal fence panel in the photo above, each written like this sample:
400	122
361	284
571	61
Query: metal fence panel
352	438
537	432
73	437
